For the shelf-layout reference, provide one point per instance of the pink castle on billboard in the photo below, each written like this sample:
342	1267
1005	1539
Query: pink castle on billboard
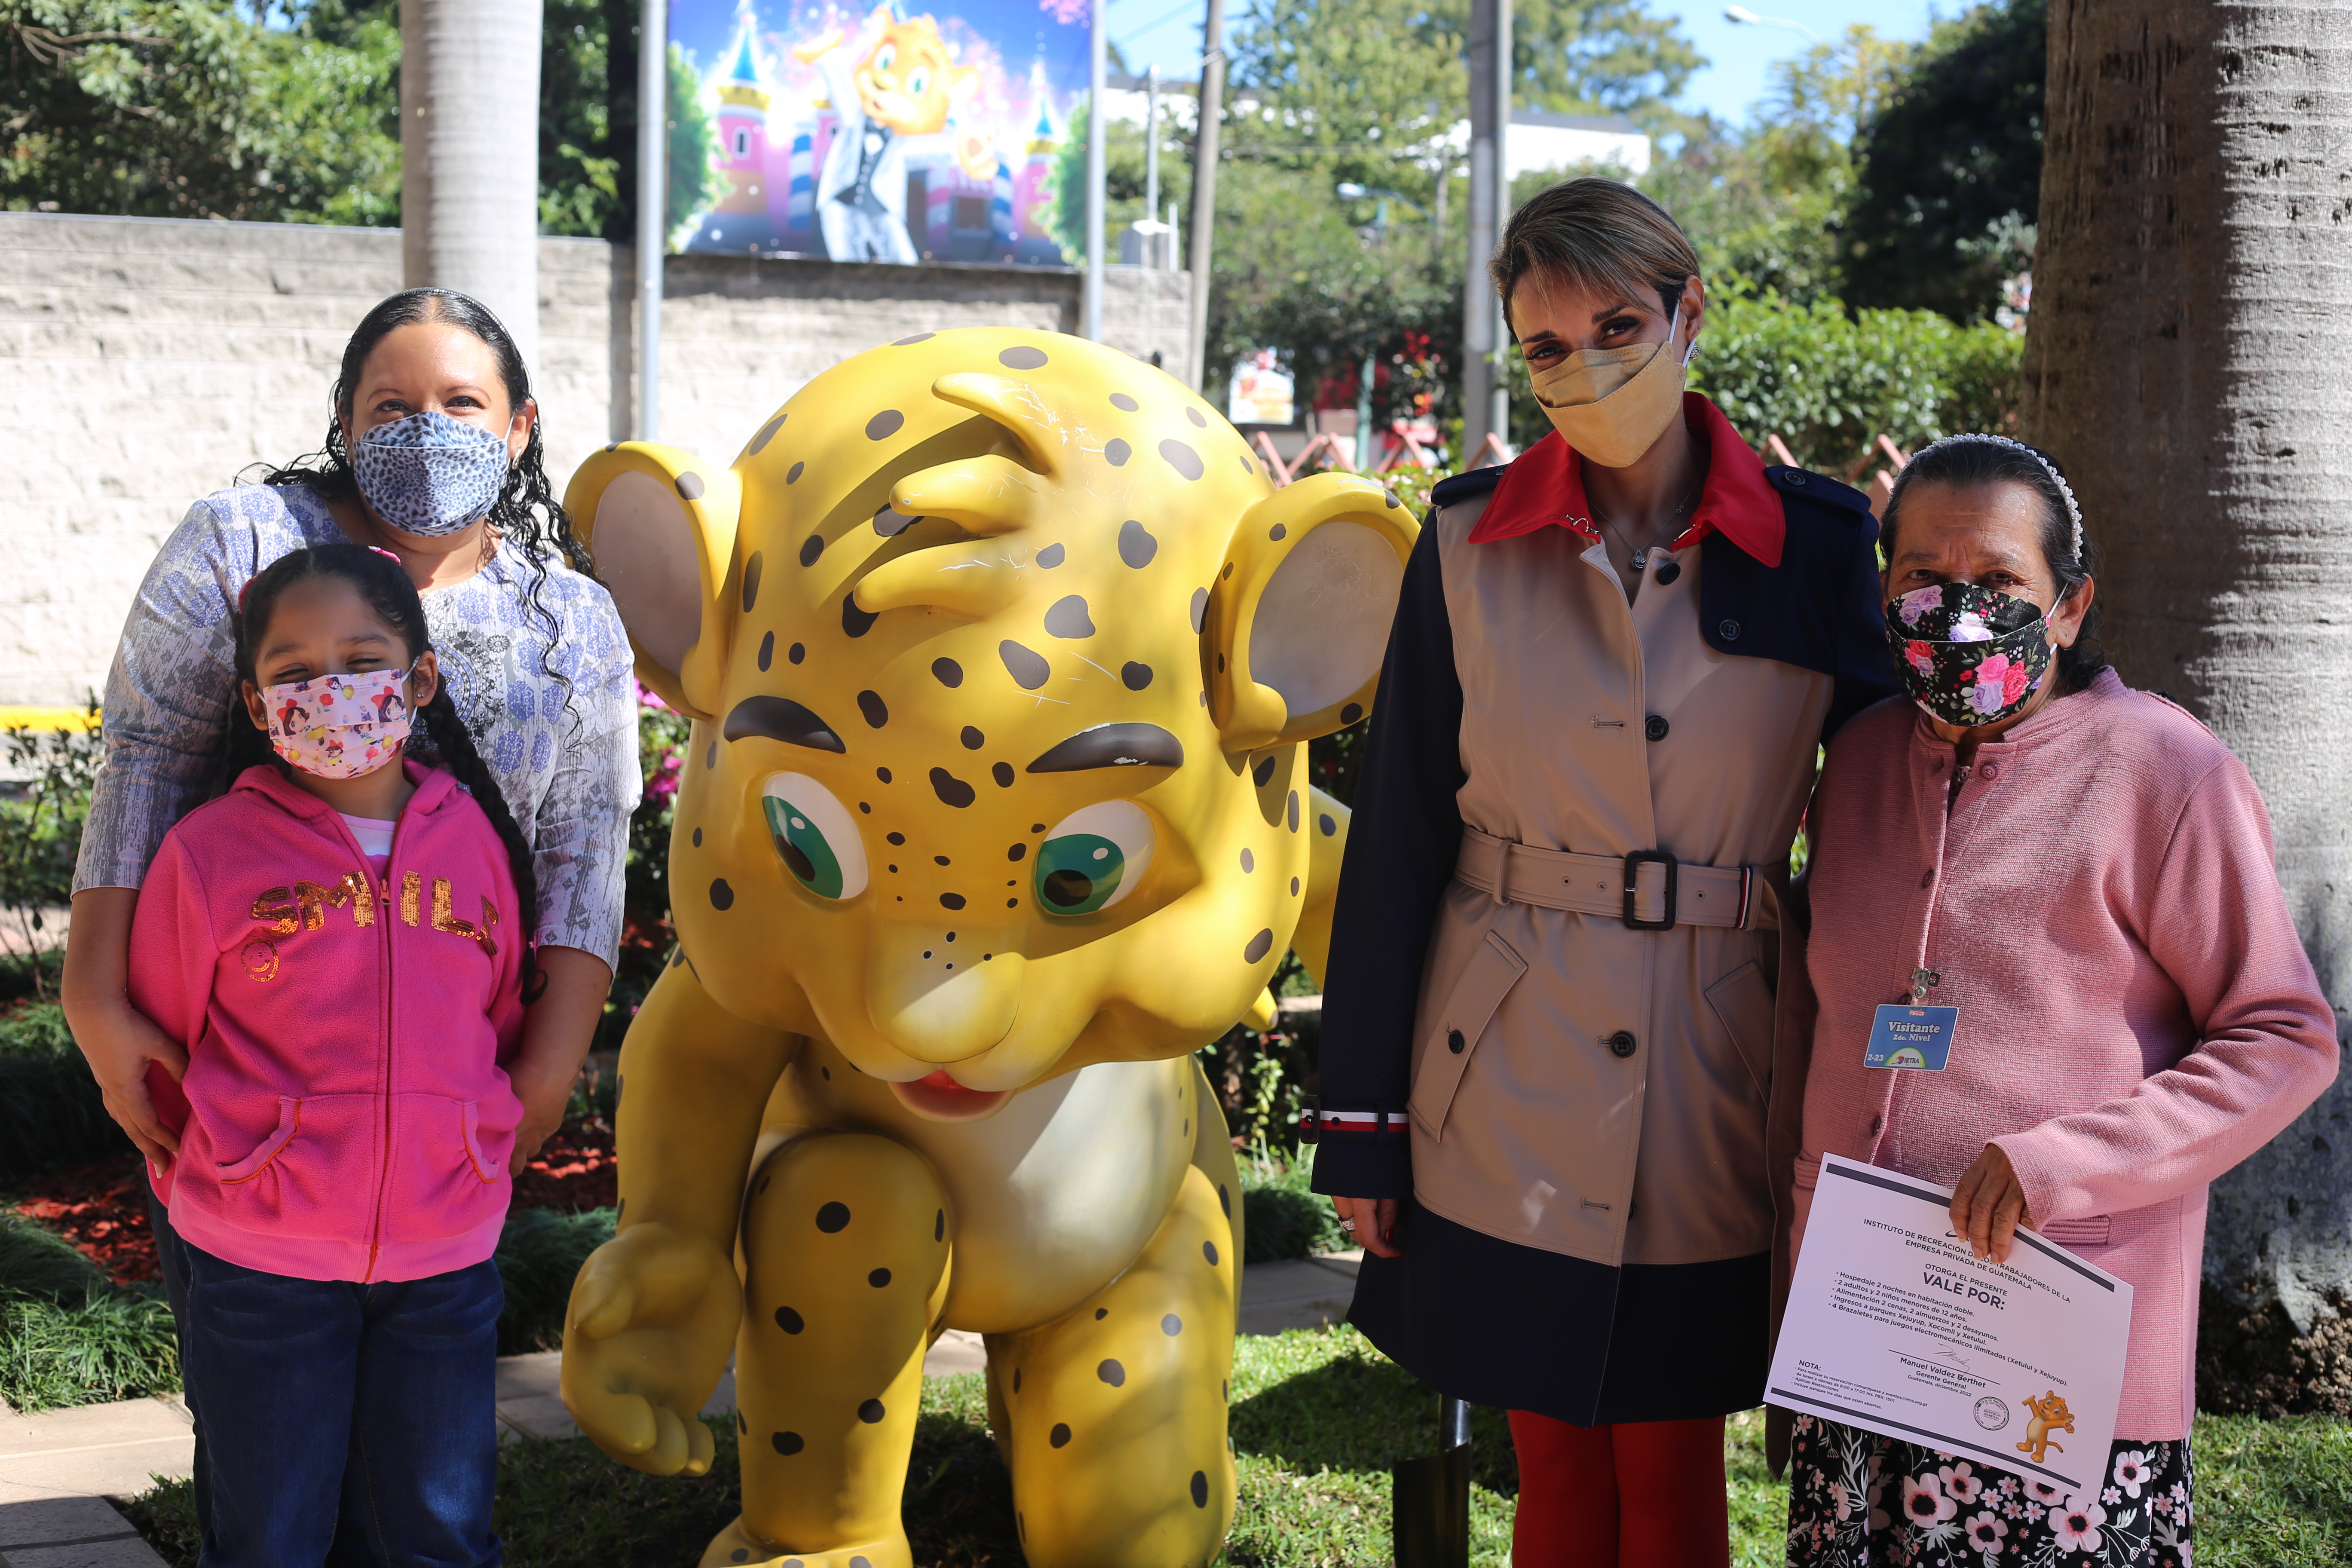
883	135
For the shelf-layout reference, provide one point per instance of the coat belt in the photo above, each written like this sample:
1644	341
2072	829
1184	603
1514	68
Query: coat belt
1648	890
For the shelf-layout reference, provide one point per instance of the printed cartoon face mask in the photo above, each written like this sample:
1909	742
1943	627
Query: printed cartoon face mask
340	726
429	474
1968	656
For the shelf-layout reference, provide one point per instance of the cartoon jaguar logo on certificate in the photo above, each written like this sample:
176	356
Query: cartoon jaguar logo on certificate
2049	1413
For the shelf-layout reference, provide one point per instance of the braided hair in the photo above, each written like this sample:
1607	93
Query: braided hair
526	511
383	583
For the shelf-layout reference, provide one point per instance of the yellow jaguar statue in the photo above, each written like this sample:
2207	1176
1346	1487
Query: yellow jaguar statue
1000	648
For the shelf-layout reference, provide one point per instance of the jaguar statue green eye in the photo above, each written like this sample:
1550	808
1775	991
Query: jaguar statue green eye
814	836
1094	858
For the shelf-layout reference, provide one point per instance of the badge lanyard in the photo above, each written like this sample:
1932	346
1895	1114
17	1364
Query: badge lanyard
1911	1034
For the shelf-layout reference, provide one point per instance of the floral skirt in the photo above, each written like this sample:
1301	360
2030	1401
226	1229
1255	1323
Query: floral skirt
1860	1501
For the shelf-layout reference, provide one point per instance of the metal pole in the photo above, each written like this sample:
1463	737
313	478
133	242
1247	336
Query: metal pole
1364	417
1205	187
1477	298
1098	85
1151	149
652	198
1498	382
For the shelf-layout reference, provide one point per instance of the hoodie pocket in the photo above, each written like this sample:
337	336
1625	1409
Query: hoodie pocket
232	1172
312	1179
448	1166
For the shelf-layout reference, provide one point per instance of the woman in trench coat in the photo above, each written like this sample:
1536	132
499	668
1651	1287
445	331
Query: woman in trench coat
1549	1068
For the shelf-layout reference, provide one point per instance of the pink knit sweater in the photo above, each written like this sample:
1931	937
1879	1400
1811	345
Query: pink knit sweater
2135	1012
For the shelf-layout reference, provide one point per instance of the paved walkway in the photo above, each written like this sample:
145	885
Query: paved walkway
58	1469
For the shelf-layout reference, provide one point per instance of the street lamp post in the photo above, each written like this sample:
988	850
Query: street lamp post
1205	187
1740	16
1486	405
1349	191
653	199
1097	83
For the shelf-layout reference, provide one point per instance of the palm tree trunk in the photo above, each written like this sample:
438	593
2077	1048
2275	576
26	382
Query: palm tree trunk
2190	361
469	154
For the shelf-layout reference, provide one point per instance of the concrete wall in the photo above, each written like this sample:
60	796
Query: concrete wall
145	362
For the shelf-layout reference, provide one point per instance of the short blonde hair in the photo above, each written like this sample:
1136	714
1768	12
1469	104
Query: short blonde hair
1597	235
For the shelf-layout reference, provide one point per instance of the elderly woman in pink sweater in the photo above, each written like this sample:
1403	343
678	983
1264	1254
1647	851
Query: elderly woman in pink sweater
2084	871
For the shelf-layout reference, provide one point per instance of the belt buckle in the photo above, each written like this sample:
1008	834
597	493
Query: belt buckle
1634	858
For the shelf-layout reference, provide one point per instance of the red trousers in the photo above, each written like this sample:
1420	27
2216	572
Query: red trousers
1643	1494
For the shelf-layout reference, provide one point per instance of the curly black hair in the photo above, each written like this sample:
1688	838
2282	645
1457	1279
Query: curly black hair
526	511
384	584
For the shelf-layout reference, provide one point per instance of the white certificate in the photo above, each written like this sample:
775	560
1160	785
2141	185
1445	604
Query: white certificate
1895	1327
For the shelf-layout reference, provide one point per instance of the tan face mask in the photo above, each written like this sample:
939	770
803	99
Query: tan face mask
1612	405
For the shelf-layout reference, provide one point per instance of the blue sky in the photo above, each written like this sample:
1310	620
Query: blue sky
1167	34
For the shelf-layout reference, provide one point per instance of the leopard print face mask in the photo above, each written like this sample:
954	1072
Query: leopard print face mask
430	474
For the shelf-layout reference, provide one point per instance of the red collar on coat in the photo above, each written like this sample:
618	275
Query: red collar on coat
1545	486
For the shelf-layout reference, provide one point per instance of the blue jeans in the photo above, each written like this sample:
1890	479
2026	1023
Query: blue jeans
351	1425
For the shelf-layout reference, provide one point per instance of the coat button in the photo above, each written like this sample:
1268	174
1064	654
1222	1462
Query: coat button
1669	572
1621	1044
1989	772
1877	1125
1655	726
1797	476
1927	877
1727	629
1455	1042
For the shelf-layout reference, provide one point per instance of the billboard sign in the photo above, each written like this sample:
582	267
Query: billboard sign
882	132
1263	393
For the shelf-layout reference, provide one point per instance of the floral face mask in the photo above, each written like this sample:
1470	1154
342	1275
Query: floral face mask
340	726
1968	656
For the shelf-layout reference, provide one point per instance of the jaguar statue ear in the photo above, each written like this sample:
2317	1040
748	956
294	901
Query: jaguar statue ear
1293	631
659	524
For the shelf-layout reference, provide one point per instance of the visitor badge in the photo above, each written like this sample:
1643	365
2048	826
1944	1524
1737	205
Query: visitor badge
1907	1036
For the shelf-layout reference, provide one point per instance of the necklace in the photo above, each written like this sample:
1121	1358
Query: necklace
1641	557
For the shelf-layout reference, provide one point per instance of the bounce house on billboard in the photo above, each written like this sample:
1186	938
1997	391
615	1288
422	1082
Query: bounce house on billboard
886	135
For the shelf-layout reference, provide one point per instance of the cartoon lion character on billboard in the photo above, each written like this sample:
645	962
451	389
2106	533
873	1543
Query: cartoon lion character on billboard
1000	650
903	85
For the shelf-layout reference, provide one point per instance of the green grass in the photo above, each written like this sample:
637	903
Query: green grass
66	1336
1317	1418
2271	1494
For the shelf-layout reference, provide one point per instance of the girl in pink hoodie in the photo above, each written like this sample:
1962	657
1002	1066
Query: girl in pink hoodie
340	942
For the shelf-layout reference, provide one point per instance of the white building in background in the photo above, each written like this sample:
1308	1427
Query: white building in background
1542	140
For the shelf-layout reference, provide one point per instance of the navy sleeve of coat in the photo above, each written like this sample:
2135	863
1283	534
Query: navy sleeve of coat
1402	846
1865	665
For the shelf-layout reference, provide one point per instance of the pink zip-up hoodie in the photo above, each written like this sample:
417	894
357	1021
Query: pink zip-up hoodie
344	1114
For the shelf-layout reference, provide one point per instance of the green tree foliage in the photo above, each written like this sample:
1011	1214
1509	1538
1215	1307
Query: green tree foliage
1587	56
1828	383
1123	181
1769	205
579	167
693	183
1950	168
1368	93
192	109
